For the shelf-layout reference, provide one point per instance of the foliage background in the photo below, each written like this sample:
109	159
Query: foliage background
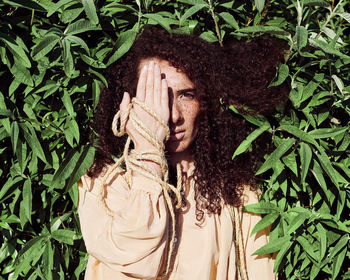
53	60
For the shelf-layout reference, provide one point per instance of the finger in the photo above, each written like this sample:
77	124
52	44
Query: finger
157	92
141	85
149	83
124	104
165	96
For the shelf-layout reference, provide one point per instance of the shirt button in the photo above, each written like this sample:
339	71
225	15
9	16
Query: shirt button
159	188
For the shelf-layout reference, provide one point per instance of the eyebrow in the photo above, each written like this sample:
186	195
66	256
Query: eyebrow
187	90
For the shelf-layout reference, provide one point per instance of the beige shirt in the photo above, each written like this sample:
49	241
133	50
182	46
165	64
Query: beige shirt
133	243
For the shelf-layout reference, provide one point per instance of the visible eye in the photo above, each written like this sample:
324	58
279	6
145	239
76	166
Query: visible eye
187	95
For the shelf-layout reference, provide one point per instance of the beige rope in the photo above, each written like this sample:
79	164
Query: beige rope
238	241
134	161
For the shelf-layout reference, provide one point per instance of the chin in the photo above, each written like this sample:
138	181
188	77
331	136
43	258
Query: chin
175	147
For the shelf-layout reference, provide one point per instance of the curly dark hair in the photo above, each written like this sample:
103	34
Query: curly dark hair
238	74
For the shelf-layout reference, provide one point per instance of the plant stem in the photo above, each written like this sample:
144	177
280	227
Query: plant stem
32	18
291	48
218	33
328	19
139	20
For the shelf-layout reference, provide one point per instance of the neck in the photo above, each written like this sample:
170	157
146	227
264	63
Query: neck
185	159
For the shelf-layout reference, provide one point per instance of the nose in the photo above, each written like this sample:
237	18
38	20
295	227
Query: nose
175	111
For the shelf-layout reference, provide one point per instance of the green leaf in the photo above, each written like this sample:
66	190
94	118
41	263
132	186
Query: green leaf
45	46
248	141
67	102
263	29
298	133
14	135
265	221
16	50
48	257
276	155
29	251
64	235
338	263
90	10
209	36
305	154
297	222
327	132
22	74
27	4
327	166
307	247
308	91
84	162
123	44
66	168
273	246
259	5
33	141
80	27
281	255
112	5
96	90
7	186
302	36
323	240
283	72
68	61
262	207
258	120
5	113
164	22
318	174
79	42
327	48
56	6
192	2
342	243
339	83
191	11
290	161
345	16
229	19
27	199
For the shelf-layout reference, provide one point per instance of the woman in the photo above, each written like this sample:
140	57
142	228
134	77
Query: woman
170	206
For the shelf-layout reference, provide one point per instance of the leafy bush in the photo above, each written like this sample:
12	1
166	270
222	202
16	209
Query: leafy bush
54	55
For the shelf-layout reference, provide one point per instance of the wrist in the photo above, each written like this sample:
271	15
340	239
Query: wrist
149	159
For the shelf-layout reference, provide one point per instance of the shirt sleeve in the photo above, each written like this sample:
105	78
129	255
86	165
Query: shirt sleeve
259	267
133	240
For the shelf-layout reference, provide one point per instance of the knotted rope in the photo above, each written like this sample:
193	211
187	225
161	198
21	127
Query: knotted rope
238	241
134	161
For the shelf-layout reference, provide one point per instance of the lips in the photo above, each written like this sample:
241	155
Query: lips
177	135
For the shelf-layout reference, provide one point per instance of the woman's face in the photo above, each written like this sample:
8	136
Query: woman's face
184	108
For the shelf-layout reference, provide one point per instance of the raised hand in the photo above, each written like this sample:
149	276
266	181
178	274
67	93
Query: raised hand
152	90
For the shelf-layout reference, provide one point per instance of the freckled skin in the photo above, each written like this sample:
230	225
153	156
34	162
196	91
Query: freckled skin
184	109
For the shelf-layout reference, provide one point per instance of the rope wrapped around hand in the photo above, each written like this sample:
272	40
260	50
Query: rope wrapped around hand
134	162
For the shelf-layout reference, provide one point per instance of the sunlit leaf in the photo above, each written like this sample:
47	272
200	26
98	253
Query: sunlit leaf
272	246
276	155
282	74
302	36
248	141
259	5
90	10
191	11
64	235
